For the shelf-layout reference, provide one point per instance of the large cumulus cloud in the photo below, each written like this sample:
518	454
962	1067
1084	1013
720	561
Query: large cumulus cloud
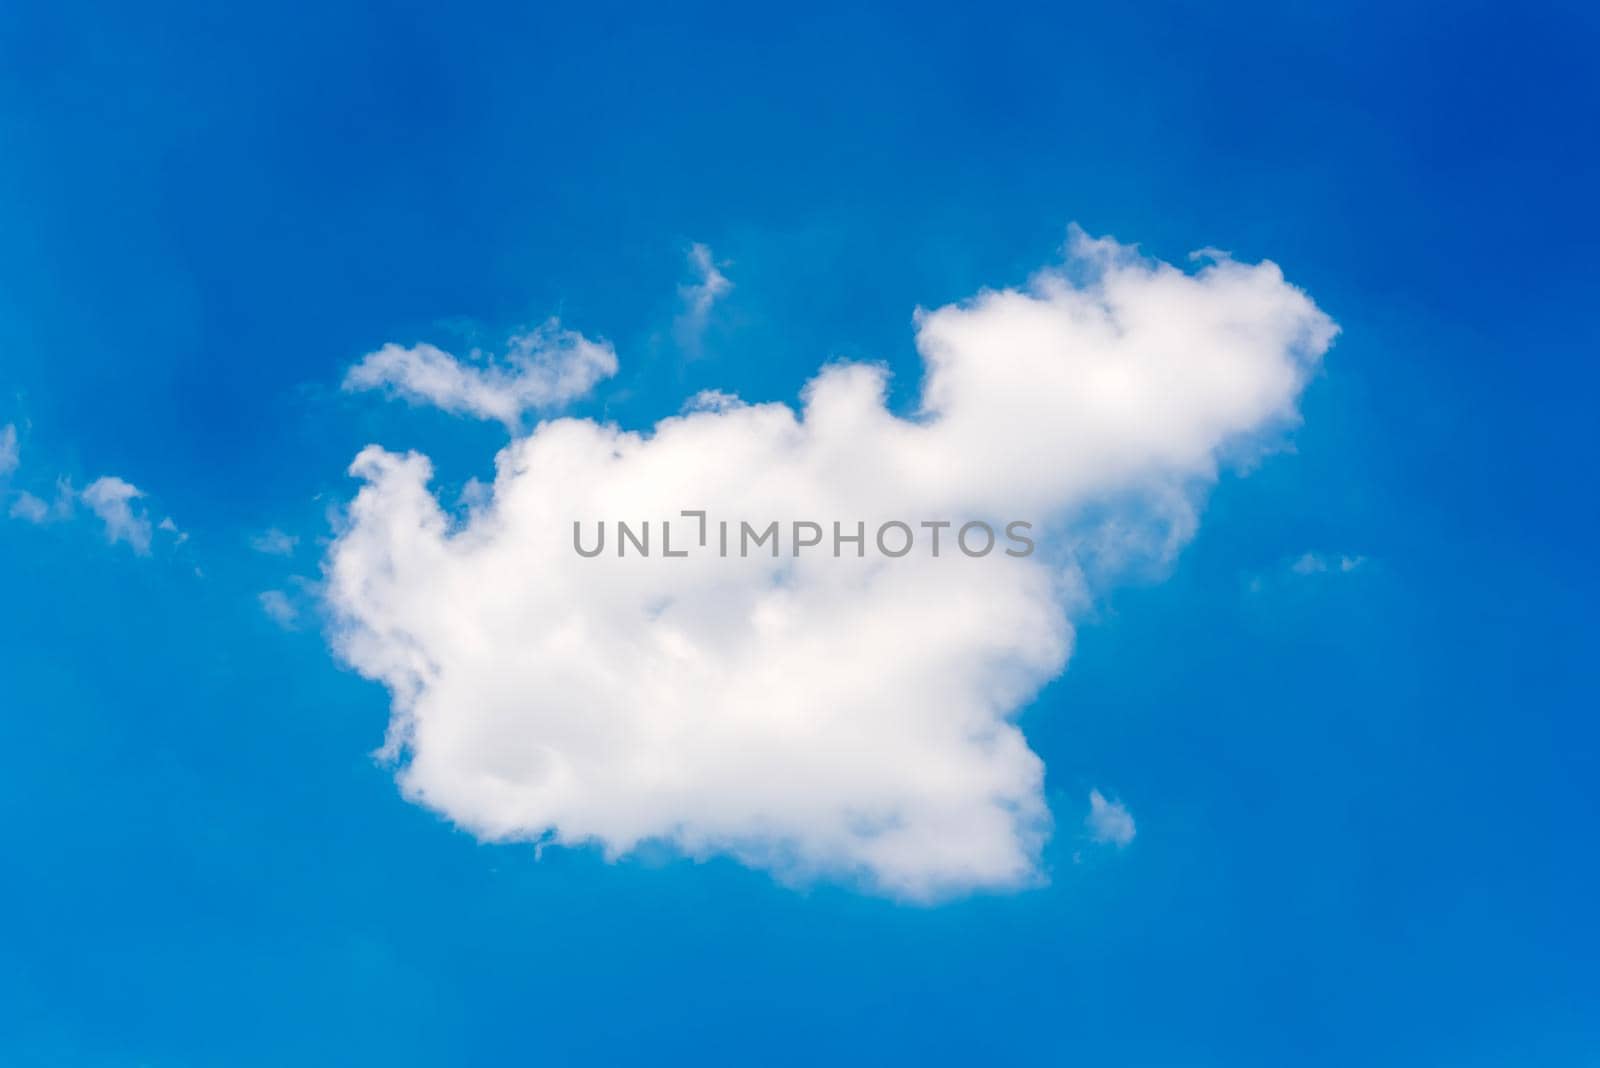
849	717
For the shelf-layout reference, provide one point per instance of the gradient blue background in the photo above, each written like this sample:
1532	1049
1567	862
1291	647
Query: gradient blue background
1366	801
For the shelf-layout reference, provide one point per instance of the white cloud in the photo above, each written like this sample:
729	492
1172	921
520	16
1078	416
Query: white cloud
711	400
279	608
698	297
1109	822
1316	563
111	499
540	370
29	508
1309	564
8	449
814	716
274	542
167	526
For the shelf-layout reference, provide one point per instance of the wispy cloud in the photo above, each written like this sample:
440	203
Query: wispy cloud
1109	822
34	509
1315	563
274	542
699	296
112	500
540	370
29	508
8	449
116	502
279	608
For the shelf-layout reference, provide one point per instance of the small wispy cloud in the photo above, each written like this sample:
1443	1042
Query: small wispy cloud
712	400
116	502
8	449
1302	570
29	508
541	369
699	296
279	608
274	542
32	508
1109	822
112	500
1316	563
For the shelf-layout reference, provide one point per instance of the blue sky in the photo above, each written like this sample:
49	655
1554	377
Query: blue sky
1365	798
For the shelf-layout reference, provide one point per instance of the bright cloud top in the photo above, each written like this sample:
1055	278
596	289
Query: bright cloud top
847	717
1109	822
540	370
